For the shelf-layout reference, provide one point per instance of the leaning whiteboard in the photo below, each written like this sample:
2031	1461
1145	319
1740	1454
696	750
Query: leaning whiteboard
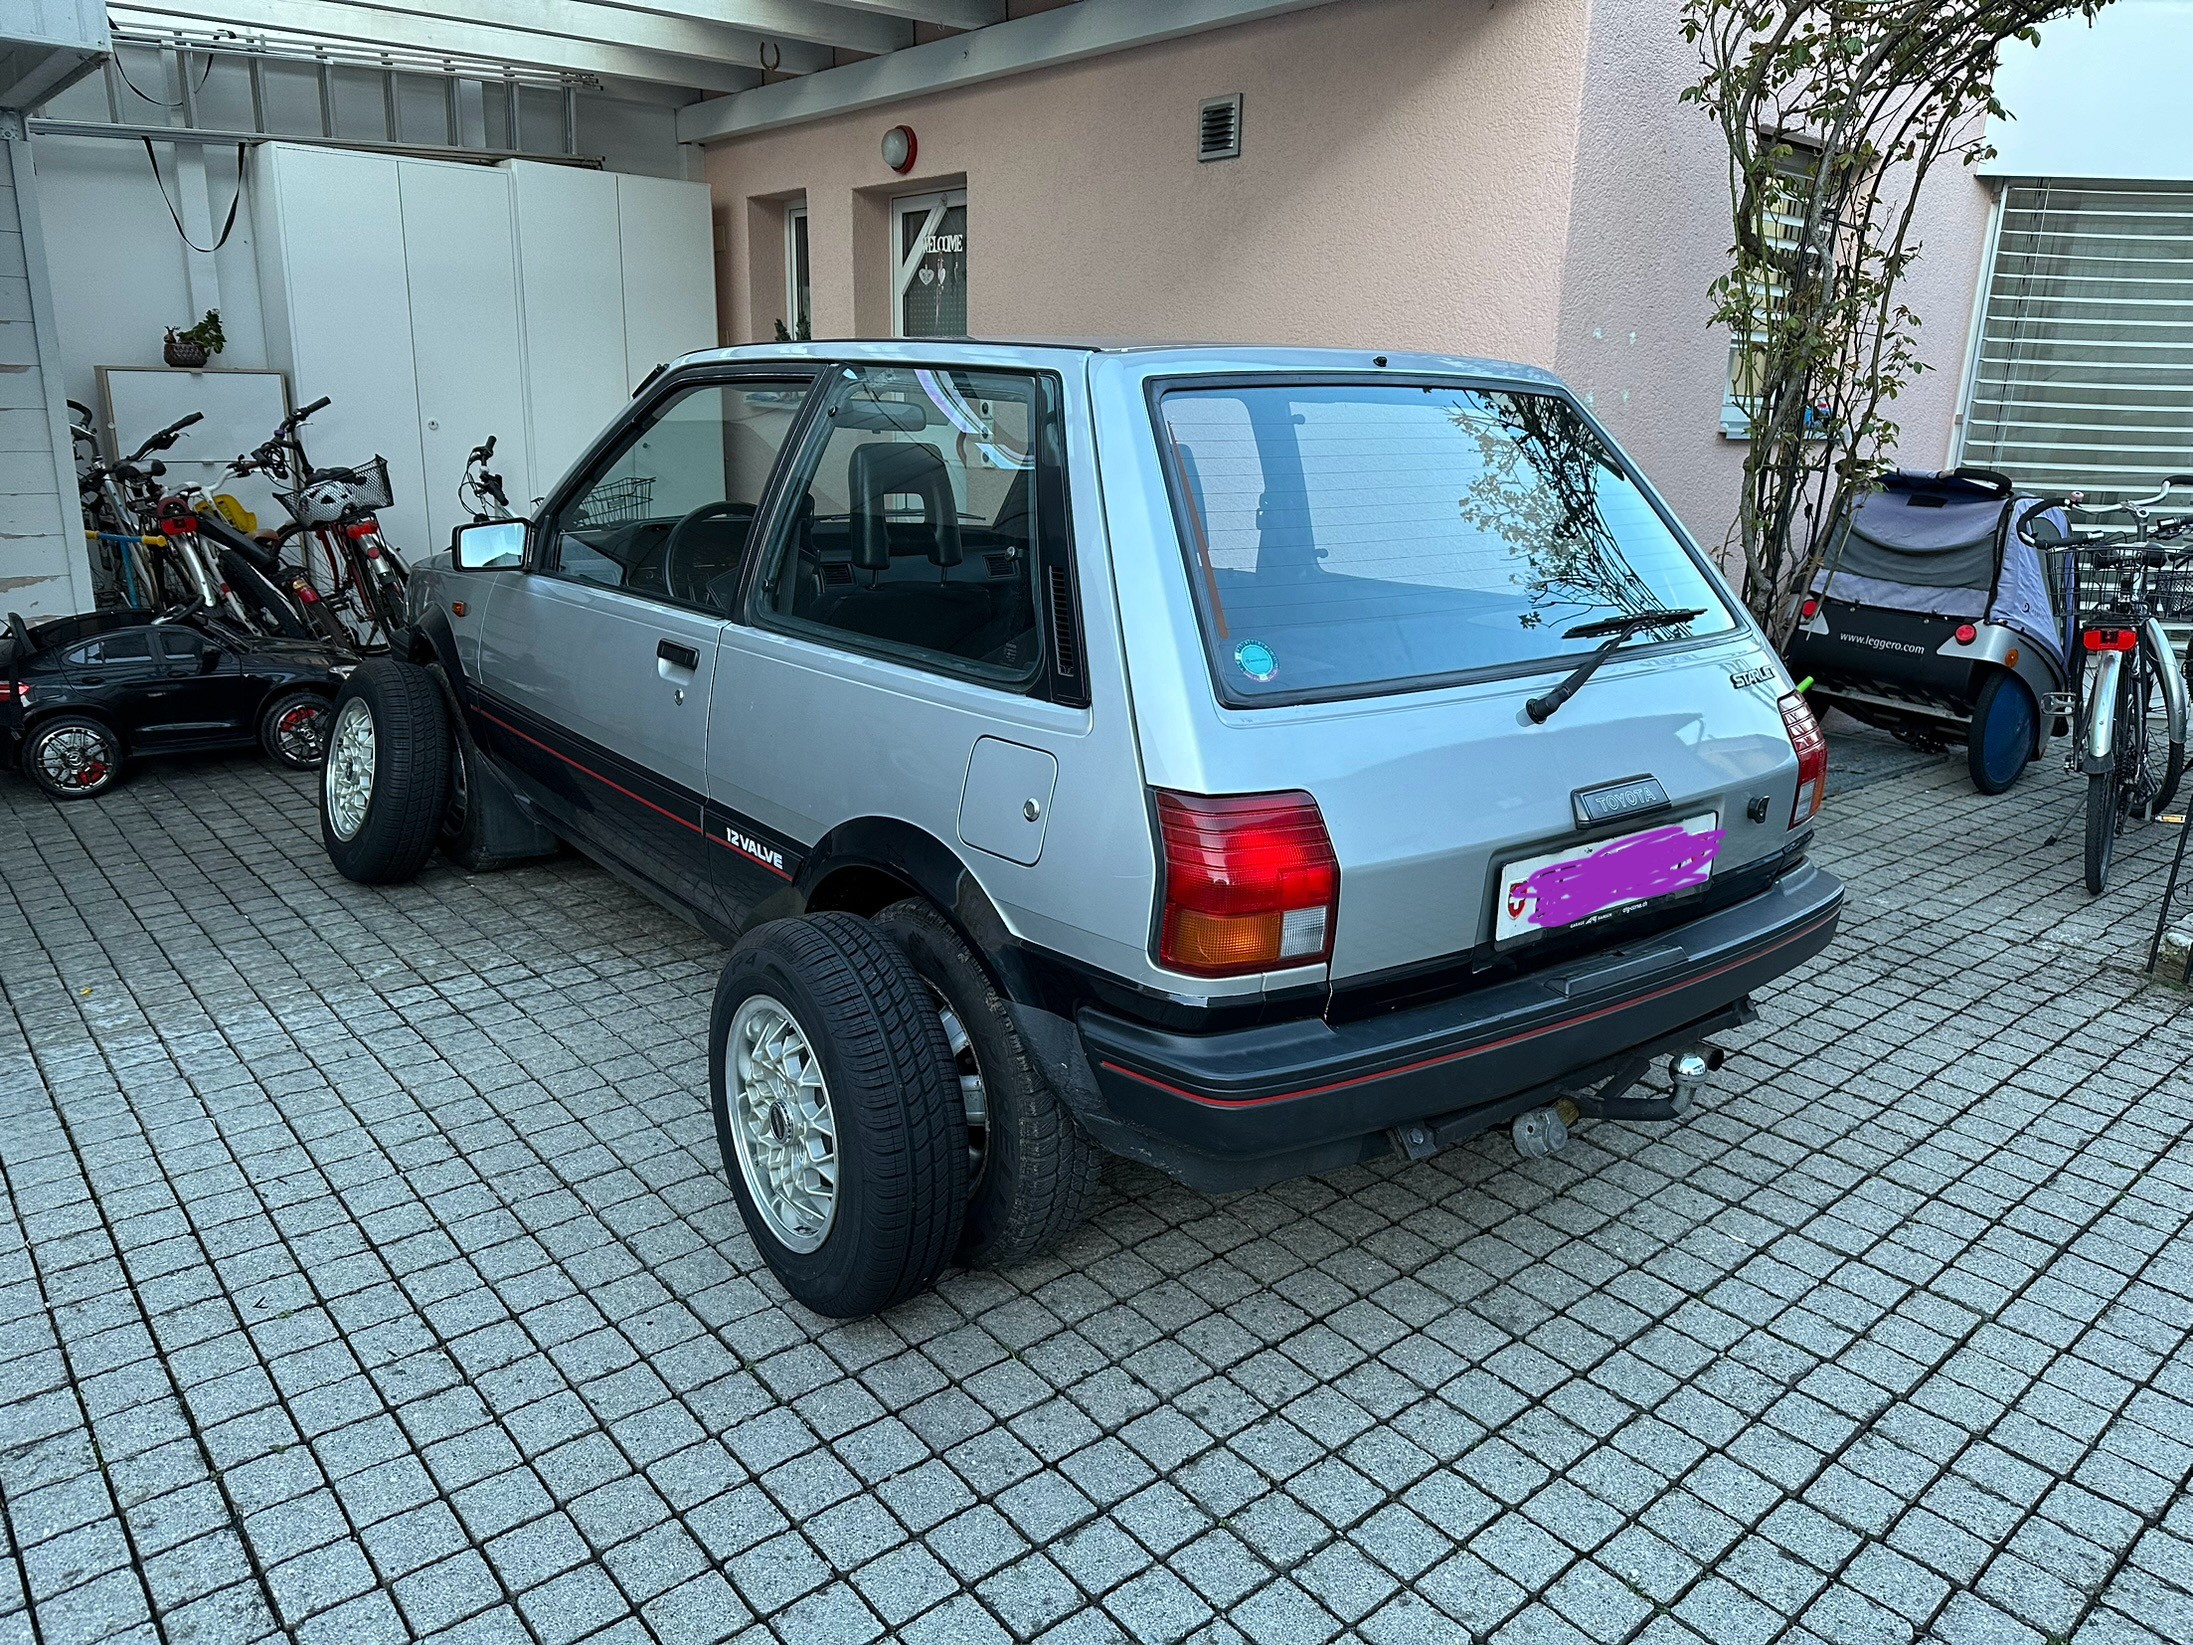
241	409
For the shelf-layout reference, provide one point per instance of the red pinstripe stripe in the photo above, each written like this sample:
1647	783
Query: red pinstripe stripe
640	799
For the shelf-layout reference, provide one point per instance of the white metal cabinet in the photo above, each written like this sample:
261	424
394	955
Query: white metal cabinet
571	282
338	307
462	267
664	234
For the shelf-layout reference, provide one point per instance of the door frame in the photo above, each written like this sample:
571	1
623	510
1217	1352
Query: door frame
903	265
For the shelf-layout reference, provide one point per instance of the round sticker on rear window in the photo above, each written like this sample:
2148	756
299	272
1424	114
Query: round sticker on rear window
1255	659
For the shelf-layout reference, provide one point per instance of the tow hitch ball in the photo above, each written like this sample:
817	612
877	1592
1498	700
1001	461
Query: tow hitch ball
1542	1131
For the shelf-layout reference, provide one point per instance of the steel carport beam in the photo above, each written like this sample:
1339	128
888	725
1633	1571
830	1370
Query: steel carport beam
1043	39
465	37
953	14
854	28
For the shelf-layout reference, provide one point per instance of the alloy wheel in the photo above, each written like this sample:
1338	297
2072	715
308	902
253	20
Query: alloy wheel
782	1123
77	758
350	761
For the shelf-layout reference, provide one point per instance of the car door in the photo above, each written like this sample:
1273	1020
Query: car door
201	694
598	662
113	675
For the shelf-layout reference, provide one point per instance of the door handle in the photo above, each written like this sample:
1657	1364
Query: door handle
678	656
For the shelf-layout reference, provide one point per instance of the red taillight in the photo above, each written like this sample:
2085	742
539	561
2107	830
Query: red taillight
1812	758
1811	607
2111	639
1251	883
1966	634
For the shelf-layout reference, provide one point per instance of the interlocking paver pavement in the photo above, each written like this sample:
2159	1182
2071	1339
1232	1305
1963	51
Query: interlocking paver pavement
368	1270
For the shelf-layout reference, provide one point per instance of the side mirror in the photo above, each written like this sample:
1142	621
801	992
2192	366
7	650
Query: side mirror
488	545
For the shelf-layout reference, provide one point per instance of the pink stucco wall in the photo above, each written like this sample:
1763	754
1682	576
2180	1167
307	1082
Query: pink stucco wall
1510	178
1649	230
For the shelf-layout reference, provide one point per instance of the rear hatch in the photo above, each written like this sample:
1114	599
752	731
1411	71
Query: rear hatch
1386	574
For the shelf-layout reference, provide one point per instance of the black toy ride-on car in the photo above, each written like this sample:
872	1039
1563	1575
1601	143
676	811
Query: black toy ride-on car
80	696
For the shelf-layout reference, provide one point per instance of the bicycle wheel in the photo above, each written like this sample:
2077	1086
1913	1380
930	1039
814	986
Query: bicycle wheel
2173	749
2102	793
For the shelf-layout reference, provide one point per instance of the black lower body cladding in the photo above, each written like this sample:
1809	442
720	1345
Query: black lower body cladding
1252	1106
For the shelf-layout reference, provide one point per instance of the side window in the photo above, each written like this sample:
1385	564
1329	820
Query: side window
184	650
916	530
129	645
671	514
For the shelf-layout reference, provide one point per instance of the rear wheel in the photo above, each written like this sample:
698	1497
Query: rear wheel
2003	737
73	757
837	1113
1034	1168
385	783
2101	829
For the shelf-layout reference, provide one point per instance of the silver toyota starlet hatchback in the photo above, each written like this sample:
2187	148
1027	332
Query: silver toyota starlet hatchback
1249	761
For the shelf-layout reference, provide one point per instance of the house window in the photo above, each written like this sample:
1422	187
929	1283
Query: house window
929	279
2079	378
1788	190
799	311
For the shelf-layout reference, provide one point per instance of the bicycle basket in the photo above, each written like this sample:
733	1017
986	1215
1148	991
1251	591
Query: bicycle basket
332	495
617	502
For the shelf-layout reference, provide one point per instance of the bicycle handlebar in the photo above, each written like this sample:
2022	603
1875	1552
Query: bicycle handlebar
165	437
302	412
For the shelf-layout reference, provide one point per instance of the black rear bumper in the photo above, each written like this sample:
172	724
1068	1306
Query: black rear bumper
1255	1105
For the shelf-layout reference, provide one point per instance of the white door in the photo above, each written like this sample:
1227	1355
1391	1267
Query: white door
929	272
461	258
669	271
571	282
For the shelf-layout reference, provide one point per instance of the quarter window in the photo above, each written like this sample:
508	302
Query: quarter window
670	515
916	530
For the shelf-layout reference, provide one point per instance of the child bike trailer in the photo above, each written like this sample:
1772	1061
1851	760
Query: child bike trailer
1932	619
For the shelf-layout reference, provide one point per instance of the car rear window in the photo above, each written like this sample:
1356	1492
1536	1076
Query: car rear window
1347	538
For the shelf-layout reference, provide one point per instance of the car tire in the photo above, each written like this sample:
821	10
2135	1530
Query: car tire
386	778
2004	733
1037	1173
839	1057
293	729
73	756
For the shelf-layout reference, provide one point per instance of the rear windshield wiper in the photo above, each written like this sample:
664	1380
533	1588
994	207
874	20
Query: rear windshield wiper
1616	630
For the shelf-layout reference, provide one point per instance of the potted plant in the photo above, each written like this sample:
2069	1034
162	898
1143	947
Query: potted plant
196	345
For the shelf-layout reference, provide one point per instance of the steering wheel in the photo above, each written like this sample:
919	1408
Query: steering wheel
673	567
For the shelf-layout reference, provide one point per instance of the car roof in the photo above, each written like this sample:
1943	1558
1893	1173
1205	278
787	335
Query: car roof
1149	358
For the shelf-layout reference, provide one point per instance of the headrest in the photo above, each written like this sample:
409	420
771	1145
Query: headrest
888	469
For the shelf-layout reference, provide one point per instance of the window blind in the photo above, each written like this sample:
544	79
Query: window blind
2084	376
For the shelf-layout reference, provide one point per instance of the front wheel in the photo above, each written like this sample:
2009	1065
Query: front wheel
2101	829
2004	734
838	1113
293	729
385	782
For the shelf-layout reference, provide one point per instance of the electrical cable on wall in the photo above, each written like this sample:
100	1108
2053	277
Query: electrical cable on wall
228	227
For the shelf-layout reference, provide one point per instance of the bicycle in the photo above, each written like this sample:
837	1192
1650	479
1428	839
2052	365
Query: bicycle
480	491
2123	662
348	561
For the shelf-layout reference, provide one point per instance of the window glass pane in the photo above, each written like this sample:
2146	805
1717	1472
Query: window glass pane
934	303
129	645
799	299
671	515
917	530
1345	536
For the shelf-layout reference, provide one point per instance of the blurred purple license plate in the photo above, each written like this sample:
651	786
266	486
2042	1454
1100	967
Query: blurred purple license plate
1562	887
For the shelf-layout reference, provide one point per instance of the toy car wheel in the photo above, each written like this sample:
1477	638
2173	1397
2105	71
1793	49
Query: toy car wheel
293	729
838	1113
2004	735
385	781
72	757
1034	1170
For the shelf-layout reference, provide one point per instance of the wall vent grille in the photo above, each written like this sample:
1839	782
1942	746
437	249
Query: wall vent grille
1218	128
